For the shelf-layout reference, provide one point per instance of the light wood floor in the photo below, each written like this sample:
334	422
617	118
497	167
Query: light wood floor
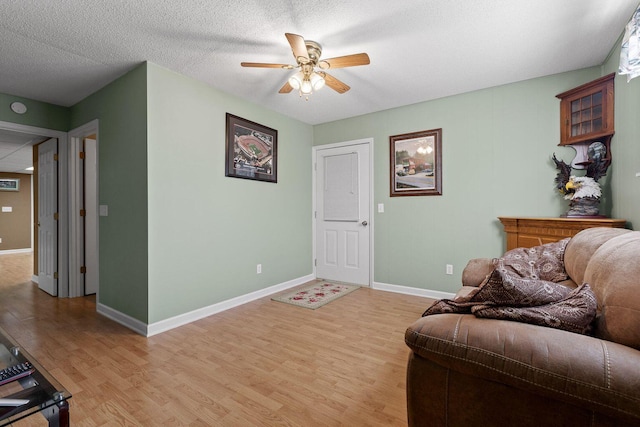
265	363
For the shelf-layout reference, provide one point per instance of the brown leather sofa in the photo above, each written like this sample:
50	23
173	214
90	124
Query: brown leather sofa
469	371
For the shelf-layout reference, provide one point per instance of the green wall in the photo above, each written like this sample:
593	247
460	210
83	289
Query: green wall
182	236
39	114
625	145
121	108
207	232
496	155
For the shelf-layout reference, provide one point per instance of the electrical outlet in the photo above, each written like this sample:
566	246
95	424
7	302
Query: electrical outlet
449	269
0	239
259	269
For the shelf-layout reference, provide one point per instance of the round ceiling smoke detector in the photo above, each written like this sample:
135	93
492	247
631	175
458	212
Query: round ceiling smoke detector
18	108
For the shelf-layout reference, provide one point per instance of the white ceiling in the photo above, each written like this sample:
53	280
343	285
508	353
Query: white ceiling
61	51
16	150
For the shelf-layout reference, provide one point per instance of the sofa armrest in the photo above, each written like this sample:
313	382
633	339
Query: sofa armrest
577	369
476	271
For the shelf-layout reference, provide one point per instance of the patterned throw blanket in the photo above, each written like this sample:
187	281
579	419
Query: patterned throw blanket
523	287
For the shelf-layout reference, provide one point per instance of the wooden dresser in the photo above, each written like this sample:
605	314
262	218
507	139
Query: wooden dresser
528	232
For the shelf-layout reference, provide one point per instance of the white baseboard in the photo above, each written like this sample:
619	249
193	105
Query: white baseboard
16	251
192	316
124	319
419	292
183	319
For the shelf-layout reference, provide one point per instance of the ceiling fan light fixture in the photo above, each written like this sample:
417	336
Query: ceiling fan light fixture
311	75
296	80
317	82
306	88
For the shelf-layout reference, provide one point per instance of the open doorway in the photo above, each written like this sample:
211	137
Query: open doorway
75	271
16	172
56	249
83	184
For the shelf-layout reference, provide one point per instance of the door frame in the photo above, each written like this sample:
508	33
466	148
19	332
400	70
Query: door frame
76	226
371	227
63	197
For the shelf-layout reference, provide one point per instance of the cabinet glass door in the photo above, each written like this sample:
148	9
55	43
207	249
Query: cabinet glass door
586	114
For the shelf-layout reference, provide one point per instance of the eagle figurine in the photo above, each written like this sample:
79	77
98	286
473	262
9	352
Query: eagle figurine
583	192
563	176
579	187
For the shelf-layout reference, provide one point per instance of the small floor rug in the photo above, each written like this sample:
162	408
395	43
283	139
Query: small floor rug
316	295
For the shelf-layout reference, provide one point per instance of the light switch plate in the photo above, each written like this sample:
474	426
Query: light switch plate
380	207
104	210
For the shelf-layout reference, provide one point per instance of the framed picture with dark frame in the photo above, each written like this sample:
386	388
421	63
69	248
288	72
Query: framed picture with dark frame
9	184
251	150
416	163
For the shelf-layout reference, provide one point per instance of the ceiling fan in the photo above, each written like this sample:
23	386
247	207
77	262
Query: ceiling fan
311	75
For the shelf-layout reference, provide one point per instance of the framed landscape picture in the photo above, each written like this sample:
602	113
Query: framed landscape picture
9	184
416	163
251	150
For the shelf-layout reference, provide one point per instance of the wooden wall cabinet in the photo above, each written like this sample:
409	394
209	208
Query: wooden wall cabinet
586	117
529	232
586	112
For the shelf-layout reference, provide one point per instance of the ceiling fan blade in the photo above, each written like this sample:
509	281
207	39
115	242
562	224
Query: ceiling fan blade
335	84
263	65
345	61
286	88
298	47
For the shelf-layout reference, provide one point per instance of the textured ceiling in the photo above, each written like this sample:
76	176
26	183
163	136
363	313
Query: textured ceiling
16	150
61	51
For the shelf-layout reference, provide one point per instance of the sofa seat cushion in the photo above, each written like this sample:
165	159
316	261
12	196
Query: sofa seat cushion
614	274
577	369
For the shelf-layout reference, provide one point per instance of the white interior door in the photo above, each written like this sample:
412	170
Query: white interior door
47	212
342	213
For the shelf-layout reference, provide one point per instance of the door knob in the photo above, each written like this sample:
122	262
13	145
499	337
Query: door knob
365	223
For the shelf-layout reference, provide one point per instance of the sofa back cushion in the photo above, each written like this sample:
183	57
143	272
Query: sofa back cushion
613	273
582	246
